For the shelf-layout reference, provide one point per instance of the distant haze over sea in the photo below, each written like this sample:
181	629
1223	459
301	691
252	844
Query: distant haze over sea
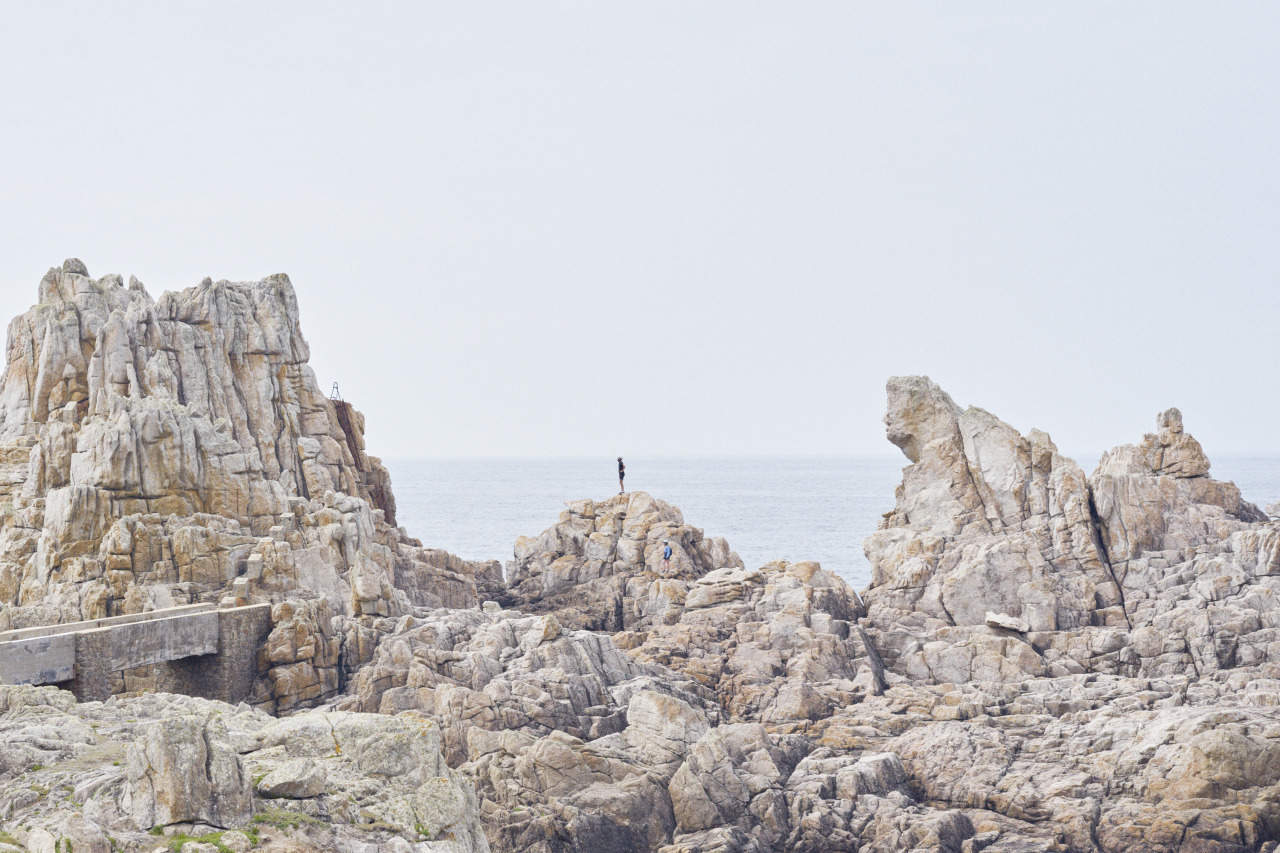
794	508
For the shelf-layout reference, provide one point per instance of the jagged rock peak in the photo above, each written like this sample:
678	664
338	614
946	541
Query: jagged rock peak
997	477
581	565
988	522
218	373
196	348
1158	495
1169	450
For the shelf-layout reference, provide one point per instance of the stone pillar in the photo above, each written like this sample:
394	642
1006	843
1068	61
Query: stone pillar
228	674
241	631
92	681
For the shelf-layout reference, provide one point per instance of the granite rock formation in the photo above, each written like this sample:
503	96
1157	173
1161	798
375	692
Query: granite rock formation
690	729
1045	660
582	739
179	450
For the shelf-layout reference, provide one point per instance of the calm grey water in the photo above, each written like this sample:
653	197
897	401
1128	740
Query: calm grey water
768	508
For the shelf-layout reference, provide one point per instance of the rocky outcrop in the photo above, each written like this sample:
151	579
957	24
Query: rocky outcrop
1080	763
563	733
179	450
987	521
1017	679
1001	561
202	400
1102	684
680	733
1044	661
601	567
113	776
500	670
1158	496
778	644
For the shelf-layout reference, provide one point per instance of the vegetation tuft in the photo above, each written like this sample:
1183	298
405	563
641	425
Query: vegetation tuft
284	819
214	838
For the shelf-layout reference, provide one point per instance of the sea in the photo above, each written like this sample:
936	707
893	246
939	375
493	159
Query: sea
769	508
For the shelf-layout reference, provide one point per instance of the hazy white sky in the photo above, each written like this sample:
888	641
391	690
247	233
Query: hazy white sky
673	228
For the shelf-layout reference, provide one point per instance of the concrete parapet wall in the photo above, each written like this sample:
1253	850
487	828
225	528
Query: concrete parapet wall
73	627
92	681
243	631
160	640
39	660
202	651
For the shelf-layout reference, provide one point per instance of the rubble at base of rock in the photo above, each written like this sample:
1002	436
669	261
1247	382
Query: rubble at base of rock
1045	659
113	776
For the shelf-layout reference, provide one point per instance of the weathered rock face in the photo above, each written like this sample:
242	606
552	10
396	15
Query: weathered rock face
183	769
157	452
562	732
500	670
1158	496
111	776
1081	763
1036	692
203	399
1152	731
778	644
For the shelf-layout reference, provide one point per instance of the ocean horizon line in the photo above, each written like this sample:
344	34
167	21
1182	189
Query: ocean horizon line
886	455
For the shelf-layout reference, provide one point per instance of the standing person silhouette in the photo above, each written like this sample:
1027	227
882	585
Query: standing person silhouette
666	555
622	474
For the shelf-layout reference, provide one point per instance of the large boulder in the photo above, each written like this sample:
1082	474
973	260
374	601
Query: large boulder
183	769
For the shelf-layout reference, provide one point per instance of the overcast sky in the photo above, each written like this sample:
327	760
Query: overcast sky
673	228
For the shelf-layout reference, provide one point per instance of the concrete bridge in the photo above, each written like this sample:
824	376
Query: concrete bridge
197	649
